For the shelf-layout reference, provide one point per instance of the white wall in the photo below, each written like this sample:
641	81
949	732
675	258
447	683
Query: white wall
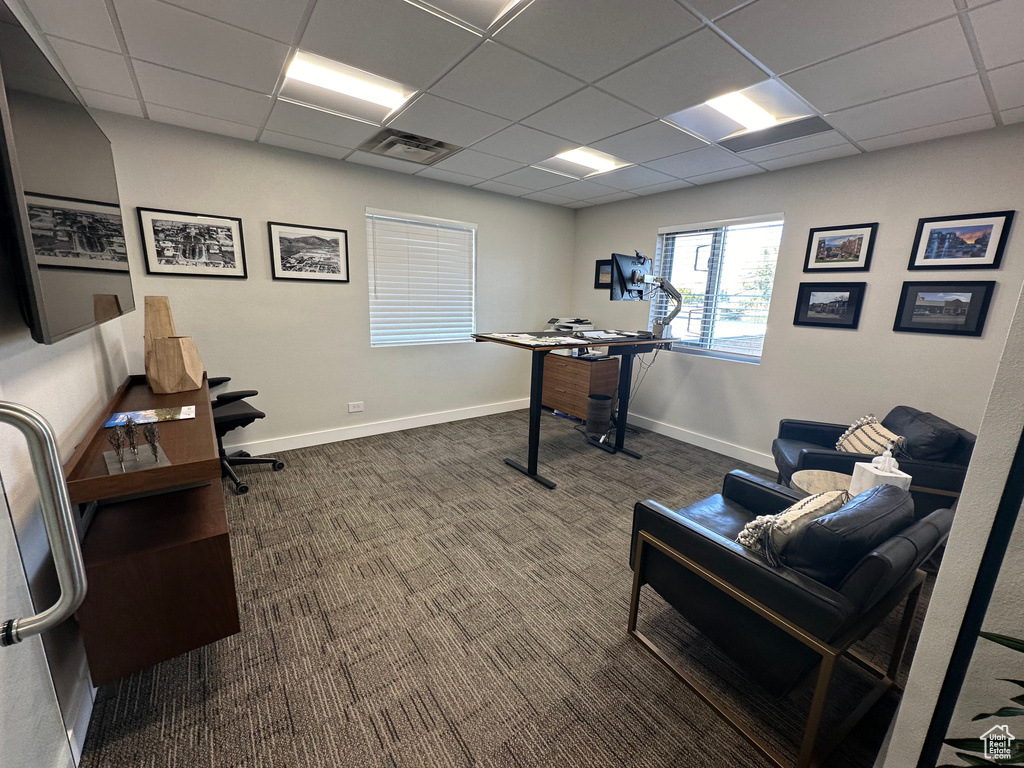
305	346
822	373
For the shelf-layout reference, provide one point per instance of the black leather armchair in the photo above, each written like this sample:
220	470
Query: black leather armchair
939	453
779	623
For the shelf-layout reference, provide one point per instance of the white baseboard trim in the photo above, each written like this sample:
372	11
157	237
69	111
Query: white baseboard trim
80	725
273	445
704	441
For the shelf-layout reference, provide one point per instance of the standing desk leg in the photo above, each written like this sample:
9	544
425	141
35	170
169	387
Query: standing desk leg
536	392
625	379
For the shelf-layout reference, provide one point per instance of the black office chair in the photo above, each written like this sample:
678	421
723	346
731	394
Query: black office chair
230	411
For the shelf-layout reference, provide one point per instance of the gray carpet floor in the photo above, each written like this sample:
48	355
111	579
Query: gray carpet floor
408	600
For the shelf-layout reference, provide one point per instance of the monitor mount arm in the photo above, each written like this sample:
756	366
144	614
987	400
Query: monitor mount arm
661	324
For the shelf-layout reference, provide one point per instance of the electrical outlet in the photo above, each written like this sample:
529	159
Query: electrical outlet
355	407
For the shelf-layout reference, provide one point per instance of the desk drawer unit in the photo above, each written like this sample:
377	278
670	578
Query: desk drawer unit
568	381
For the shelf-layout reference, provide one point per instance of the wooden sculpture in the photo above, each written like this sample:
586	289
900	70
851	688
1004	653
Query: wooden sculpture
173	363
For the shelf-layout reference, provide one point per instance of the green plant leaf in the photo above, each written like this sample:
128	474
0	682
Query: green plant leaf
1015	682
971	745
974	760
1013	643
1001	712
1018	699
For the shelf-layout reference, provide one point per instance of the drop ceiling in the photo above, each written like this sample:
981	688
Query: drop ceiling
517	84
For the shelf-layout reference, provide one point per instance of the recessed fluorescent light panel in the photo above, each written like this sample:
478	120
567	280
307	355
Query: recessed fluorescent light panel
755	108
323	83
582	162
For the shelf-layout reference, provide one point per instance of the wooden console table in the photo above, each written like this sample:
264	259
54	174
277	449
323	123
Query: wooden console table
160	581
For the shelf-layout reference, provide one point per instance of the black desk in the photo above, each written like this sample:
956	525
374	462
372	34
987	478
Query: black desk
624	347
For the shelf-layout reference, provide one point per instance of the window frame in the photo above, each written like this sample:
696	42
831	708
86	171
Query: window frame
430	221
718	226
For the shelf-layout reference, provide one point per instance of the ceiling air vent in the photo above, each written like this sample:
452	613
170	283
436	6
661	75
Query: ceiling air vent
408	146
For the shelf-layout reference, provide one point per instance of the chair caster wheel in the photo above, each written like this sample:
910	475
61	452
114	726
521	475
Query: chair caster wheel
278	466
241	490
244	454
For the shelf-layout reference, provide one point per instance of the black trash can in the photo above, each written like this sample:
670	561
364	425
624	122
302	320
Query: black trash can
599	415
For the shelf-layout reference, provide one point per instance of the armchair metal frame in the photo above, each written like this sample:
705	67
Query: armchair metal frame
830	652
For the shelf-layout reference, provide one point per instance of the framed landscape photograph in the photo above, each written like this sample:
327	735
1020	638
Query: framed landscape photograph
847	248
829	305
954	307
81	234
308	253
972	241
603	274
178	243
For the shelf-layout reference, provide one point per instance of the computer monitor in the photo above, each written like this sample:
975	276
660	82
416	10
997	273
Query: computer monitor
628	277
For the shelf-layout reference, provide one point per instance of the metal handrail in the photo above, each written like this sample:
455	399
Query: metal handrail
58	519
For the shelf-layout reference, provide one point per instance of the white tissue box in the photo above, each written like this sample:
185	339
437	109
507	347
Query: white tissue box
867	476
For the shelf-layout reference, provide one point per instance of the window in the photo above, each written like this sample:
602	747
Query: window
725	272
422	279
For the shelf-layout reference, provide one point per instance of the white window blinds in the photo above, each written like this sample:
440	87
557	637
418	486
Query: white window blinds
725	273
422	279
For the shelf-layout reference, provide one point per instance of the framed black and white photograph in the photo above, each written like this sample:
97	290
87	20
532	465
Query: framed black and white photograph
81	234
603	274
954	307
308	253
844	248
829	305
178	243
971	241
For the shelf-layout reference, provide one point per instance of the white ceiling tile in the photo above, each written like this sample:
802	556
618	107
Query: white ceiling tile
689	72
478	13
634	177
731	173
503	82
547	197
917	59
319	126
179	90
579	204
85	21
451	177
473	163
1011	116
176	38
200	122
952	128
787	34
649	142
387	163
929	106
582	190
666	187
517	142
590	38
713	9
437	118
92	68
533	178
830	153
612	198
794	146
504	189
696	162
277	19
587	116
390	38
303	145
1008	85
998	29
111	103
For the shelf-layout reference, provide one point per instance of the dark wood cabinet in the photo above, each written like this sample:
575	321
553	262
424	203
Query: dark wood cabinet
569	381
158	567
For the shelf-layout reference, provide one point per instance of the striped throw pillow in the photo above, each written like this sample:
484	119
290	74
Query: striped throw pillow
768	535
867	435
